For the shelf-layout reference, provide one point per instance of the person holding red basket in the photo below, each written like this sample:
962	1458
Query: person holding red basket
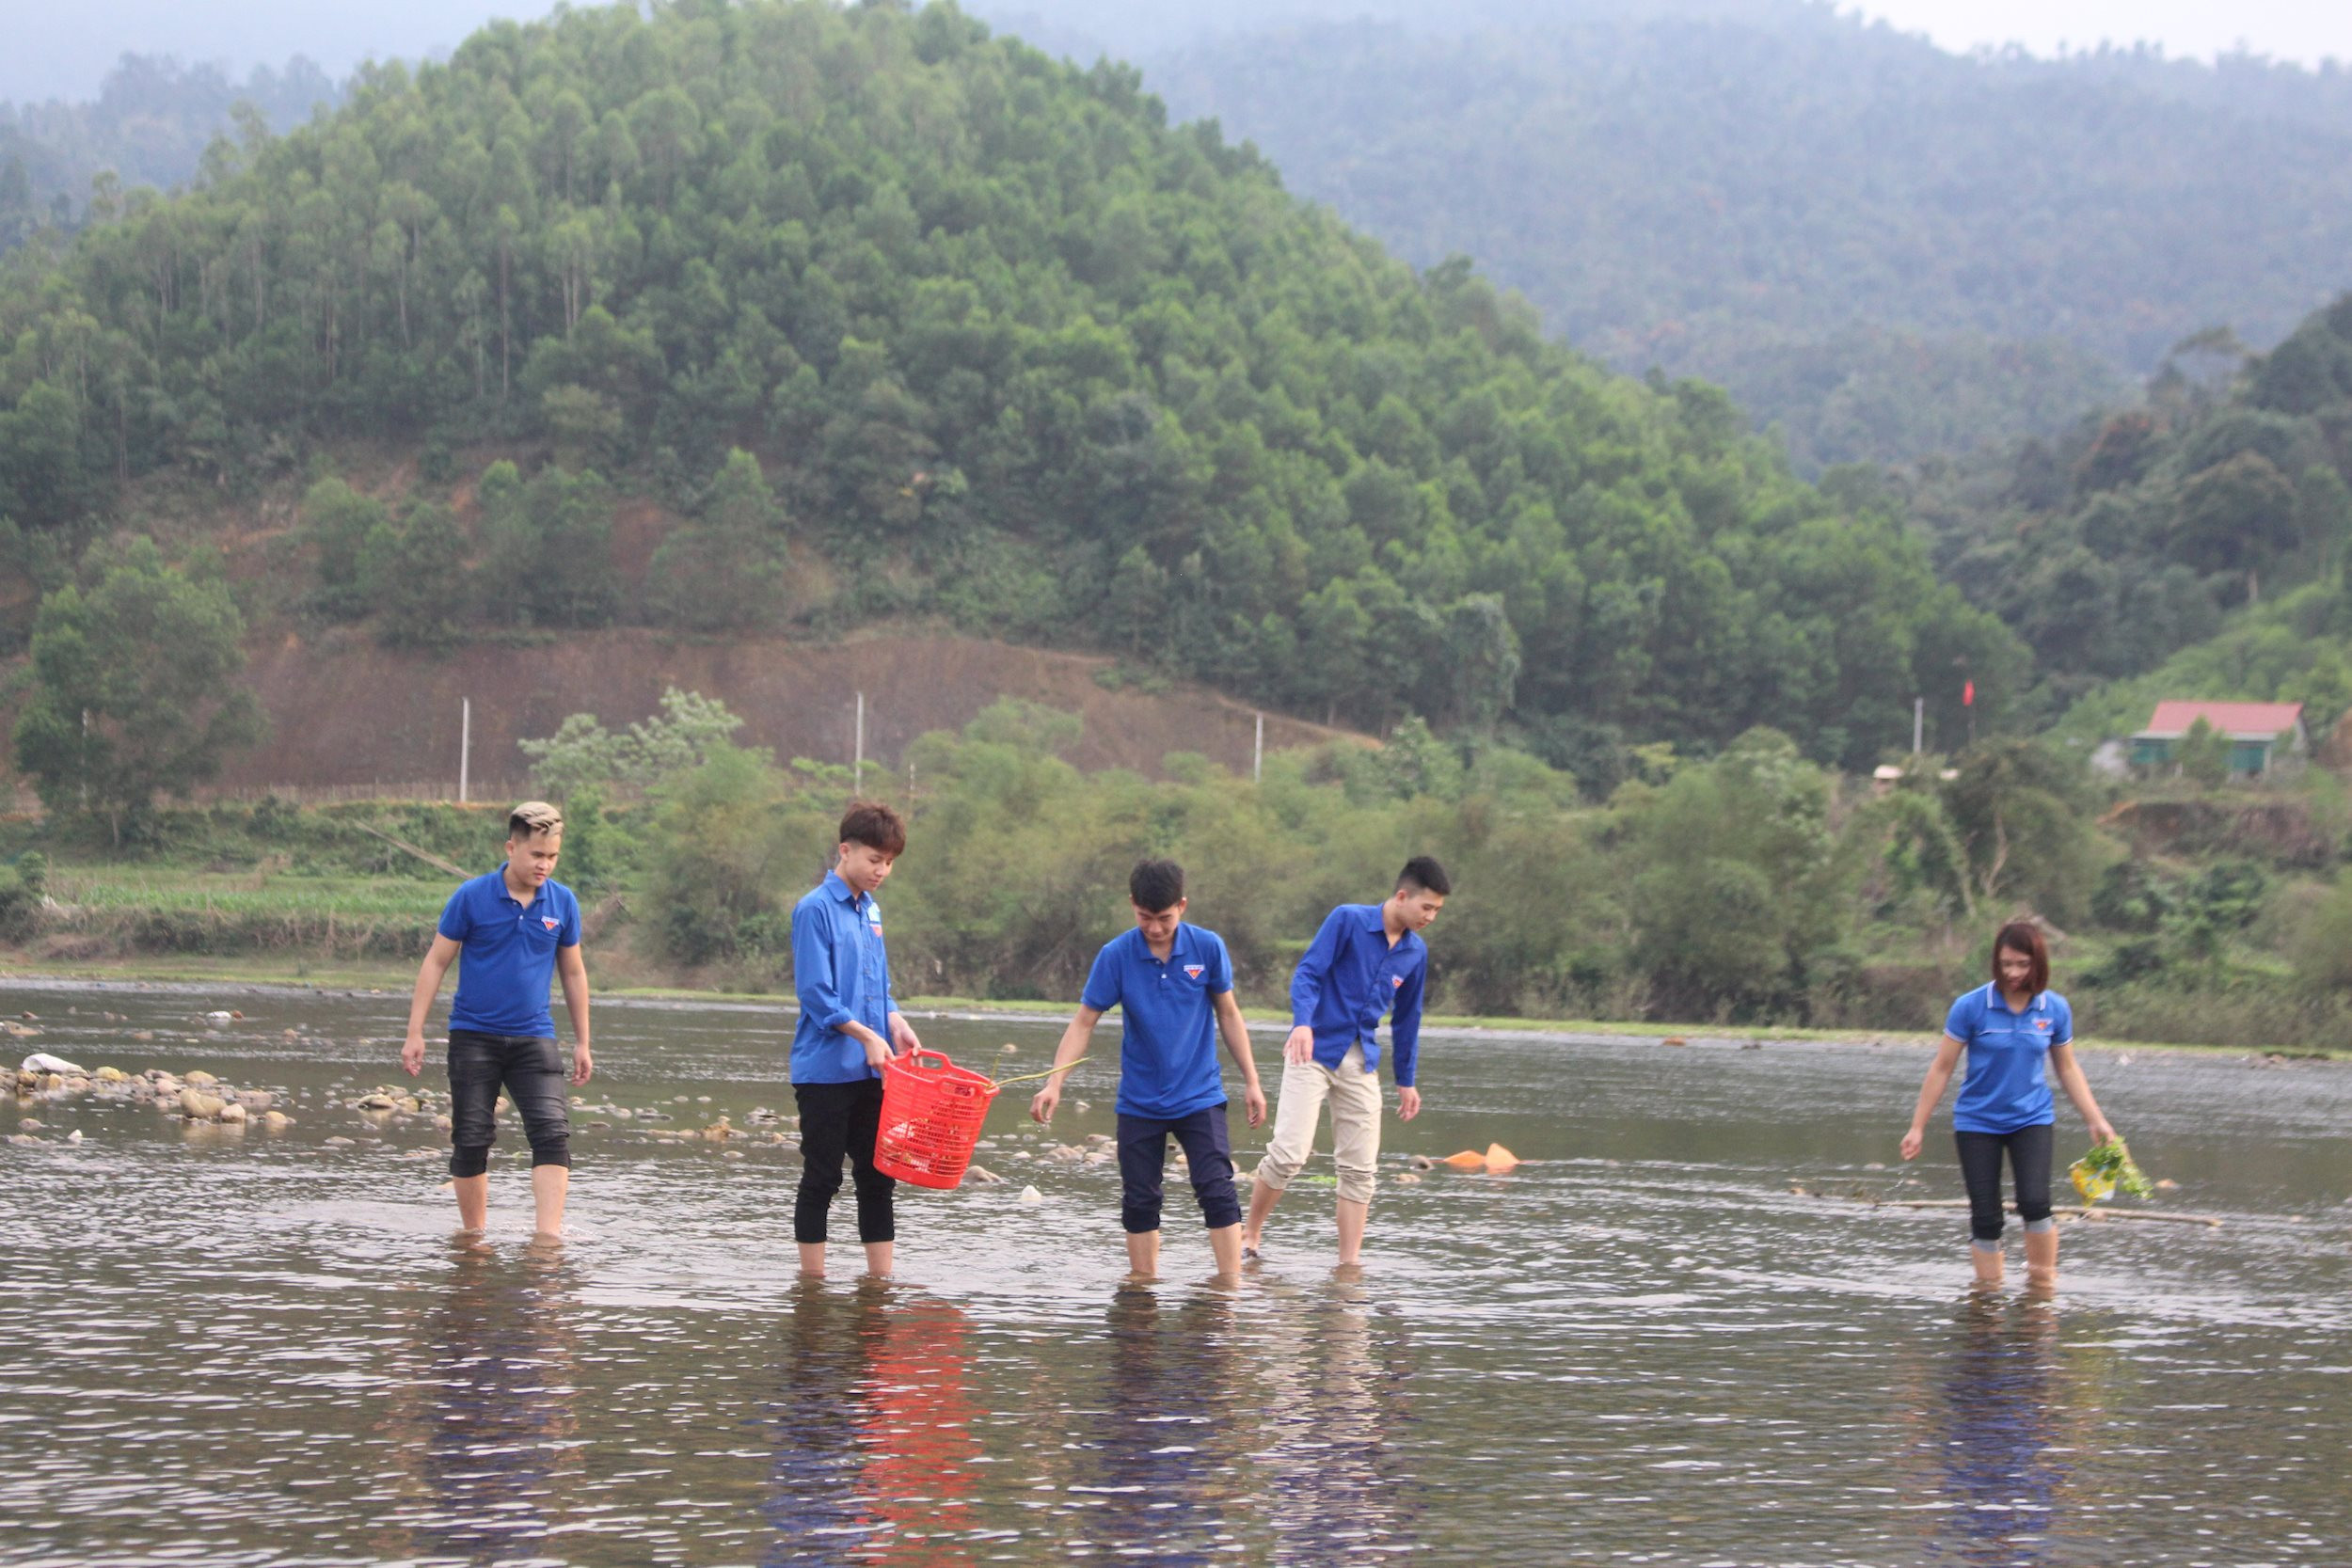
850	1026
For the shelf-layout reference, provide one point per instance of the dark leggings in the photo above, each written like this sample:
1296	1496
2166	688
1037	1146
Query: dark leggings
837	1121
2028	1166
530	1069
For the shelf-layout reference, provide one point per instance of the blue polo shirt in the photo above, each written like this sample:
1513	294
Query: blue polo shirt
1351	975
507	953
840	973
2007	1086
1167	1018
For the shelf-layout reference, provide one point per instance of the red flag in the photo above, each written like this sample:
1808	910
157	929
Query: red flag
1968	694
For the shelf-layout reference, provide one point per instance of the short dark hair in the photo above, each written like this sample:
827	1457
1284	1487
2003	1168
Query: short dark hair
1156	885
2024	936
1424	873
876	826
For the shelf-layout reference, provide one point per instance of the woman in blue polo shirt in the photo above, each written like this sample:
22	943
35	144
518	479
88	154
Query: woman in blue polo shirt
2008	1030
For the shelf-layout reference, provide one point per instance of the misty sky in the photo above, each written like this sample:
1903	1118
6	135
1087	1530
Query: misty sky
51	50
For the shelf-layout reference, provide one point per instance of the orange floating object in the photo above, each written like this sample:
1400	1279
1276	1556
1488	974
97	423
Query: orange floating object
1500	1160
1470	1158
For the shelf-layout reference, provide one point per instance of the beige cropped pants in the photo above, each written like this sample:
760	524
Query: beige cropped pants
1355	1097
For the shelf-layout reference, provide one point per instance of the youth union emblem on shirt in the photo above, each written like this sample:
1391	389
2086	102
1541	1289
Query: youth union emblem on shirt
1396	982
551	924
1192	971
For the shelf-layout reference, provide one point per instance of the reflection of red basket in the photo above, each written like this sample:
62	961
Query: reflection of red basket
931	1113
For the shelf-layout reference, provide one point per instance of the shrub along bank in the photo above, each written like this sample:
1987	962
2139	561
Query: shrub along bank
1754	887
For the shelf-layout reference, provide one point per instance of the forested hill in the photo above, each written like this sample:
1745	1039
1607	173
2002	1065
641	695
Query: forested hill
2194	545
1888	248
1012	352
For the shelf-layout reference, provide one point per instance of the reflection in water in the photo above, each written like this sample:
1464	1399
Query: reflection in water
257	1349
1156	1473
1335	1488
500	1441
2004	1463
871	1430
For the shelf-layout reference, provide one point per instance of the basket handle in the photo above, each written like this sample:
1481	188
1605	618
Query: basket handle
927	1055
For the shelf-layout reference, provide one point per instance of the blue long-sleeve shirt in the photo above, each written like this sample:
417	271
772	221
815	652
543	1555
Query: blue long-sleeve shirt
840	973
1350	975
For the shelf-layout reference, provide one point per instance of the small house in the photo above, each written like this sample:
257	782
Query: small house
2260	734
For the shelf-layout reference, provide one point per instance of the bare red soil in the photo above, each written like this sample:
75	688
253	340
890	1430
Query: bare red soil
345	712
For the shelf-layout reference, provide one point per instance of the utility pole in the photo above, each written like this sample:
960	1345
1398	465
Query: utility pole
1918	723
1257	761
465	747
857	763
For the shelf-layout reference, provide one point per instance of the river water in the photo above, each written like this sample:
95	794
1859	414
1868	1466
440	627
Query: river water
257	1347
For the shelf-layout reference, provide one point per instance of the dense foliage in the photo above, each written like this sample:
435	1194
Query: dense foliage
2191	546
131	685
1015	353
1754	886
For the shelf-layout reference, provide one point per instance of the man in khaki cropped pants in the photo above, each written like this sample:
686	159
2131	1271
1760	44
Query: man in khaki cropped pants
1367	960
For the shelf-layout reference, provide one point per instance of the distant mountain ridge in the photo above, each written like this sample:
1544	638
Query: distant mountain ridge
1758	194
149	125
2194	545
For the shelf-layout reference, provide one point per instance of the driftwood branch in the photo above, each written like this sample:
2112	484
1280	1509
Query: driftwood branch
425	855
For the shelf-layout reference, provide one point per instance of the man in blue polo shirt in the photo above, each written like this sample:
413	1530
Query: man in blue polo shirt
1366	960
513	929
1173	984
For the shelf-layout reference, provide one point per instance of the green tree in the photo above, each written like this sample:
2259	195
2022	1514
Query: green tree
2015	805
2203	756
2322	516
41	480
340	520
725	572
547	555
2322	945
135	688
2236	516
582	754
1739	884
727	856
586	424
413	578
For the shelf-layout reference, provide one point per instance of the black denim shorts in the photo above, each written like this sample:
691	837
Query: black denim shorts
530	1069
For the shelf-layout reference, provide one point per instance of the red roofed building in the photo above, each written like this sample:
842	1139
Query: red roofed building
2256	731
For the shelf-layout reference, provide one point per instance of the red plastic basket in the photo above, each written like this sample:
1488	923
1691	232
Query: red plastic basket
931	1113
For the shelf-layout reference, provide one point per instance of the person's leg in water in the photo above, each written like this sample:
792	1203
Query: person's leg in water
1981	1171
1297	1106
473	1093
824	1144
1208	1145
2029	1154
1355	1148
534	1071
1142	1165
877	1201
